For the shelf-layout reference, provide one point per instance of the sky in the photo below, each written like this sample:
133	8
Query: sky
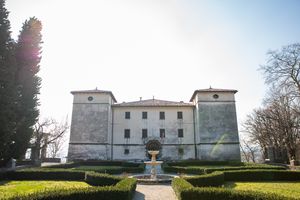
161	48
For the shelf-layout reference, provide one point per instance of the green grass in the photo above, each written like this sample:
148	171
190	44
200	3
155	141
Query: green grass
13	188
95	168
288	189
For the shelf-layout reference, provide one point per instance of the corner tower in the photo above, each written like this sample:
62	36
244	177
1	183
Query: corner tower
216	130
91	125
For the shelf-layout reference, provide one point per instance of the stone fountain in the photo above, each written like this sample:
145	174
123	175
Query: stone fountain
153	177
153	163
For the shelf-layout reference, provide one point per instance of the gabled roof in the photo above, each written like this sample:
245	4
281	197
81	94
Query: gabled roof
152	103
95	91
212	90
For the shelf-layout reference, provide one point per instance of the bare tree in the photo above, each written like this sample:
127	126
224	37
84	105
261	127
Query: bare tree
283	67
276	126
56	147
46	132
249	151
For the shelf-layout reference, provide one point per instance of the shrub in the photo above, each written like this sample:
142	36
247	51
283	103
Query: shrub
204	162
97	179
220	193
185	191
179	185
180	169
124	166
214	179
122	190
246	167
262	175
42	175
190	167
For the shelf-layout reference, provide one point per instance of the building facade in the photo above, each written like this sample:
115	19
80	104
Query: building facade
205	128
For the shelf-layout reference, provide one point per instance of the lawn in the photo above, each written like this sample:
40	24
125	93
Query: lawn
12	188
288	189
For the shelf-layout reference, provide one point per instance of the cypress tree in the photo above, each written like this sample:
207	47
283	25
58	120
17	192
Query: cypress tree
28	56
7	84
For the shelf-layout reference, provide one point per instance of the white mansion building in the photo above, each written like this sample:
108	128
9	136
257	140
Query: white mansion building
205	128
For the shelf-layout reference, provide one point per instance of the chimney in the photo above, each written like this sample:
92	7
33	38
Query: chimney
140	98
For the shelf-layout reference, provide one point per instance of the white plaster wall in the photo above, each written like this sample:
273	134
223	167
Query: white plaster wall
171	124
170	152
135	152
208	96
97	98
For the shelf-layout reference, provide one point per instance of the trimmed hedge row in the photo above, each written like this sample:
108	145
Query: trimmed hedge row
183	167
219	178
114	188
125	166
214	179
184	163
185	191
96	179
122	190
262	175
179	169
43	175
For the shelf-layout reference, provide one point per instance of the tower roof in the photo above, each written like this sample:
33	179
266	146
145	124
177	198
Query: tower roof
212	90
96	91
152	103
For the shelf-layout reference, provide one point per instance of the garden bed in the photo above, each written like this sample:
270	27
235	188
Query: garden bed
90	185
206	167
109	167
217	186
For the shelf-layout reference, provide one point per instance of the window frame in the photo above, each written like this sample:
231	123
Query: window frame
179	115
127	114
126	151
144	115
180	133
144	132
162	115
126	133
162	133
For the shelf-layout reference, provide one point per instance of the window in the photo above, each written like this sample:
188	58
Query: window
162	133
127	133
180	133
90	98
126	151
127	115
144	133
161	115
144	115
215	96
179	115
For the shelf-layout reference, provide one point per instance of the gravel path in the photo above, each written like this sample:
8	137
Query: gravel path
154	192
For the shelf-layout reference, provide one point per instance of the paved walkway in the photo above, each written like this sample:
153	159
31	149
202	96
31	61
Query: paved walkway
154	192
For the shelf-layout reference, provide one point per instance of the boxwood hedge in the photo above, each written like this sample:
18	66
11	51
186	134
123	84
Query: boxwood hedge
122	190
97	179
113	188
191	167
186	191
124	166
202	186
213	179
262	175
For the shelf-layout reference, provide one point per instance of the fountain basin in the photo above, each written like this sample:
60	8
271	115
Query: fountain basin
160	178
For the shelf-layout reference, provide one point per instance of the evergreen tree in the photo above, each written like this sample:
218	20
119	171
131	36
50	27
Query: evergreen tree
7	84
28	56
